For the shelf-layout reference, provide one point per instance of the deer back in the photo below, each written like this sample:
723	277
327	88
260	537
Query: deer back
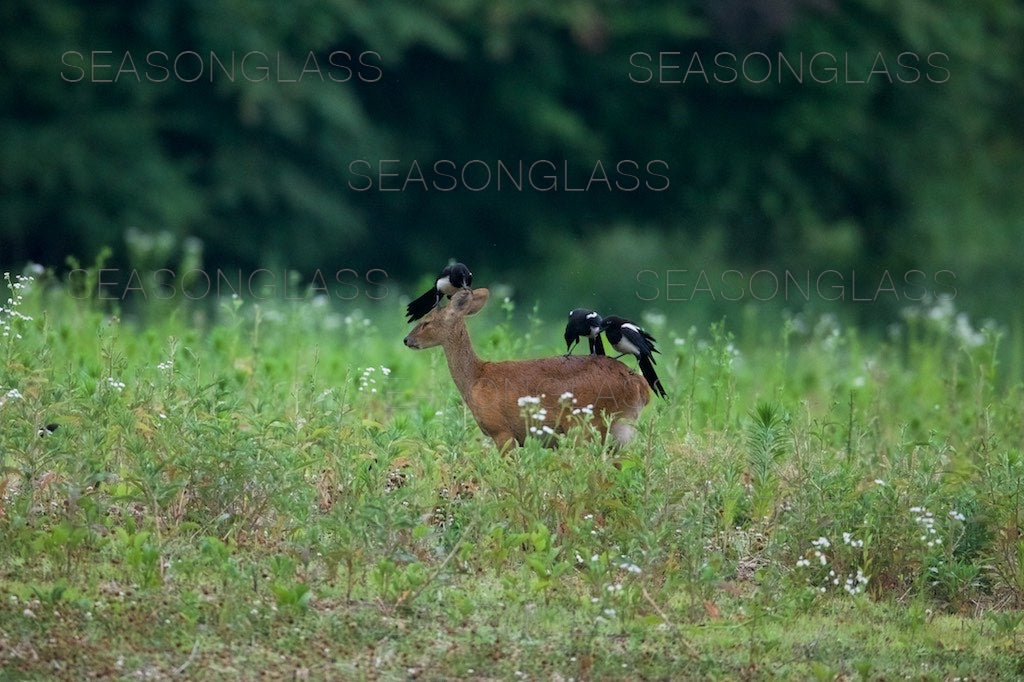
600	387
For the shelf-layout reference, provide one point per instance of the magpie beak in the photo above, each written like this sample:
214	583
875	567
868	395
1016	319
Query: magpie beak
629	339
584	322
453	278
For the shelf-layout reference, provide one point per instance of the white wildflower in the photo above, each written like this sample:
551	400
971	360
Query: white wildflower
848	539
654	319
968	335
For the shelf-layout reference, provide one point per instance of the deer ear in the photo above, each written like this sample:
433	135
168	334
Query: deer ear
469	302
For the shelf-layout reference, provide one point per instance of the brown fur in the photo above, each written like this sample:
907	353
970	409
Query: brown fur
492	389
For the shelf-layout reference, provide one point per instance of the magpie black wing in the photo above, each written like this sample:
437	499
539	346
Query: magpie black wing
638	338
649	339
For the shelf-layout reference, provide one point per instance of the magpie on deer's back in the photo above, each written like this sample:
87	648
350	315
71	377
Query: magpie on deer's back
454	277
584	322
628	338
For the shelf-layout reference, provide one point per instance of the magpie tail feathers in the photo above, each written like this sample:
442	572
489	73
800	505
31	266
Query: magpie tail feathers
422	305
647	369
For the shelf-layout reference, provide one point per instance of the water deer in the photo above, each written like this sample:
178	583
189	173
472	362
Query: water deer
493	391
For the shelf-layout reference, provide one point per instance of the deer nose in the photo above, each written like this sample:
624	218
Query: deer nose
408	342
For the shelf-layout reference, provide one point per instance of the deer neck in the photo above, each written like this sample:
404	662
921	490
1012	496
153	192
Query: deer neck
463	362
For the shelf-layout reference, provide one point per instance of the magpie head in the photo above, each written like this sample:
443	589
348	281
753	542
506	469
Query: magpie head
458	275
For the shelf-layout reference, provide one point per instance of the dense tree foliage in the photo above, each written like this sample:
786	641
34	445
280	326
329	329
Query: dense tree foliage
558	141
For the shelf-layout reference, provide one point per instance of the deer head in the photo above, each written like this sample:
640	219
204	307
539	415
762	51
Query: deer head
443	323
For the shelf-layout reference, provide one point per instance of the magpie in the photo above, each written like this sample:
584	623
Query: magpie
454	277
628	338
583	322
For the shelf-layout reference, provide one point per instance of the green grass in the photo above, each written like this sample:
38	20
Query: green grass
283	489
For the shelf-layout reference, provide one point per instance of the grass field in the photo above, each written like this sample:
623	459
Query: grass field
282	490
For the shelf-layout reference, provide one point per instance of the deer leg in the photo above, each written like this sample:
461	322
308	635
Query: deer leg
623	432
505	441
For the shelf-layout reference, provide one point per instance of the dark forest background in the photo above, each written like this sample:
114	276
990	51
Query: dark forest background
907	157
